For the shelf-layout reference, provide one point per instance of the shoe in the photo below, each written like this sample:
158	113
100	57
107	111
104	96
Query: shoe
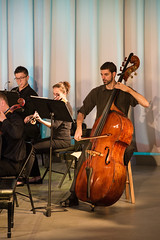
71	201
35	180
20	183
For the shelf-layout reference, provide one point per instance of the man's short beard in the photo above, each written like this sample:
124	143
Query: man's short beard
109	82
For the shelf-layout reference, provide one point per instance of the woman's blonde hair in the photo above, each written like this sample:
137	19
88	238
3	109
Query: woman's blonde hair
64	87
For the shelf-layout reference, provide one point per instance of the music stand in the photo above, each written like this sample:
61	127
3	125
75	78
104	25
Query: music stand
11	96
51	109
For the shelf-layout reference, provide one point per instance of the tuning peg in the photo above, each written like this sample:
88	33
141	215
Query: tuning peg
131	76
135	73
123	63
121	69
125	59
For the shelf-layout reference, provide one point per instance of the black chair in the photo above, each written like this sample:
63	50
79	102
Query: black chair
65	154
8	188
25	173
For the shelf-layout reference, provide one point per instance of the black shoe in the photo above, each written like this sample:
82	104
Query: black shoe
35	180
71	201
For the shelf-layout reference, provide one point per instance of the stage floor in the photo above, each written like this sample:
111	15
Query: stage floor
122	220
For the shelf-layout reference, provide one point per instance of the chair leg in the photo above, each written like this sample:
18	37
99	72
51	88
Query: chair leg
12	217
42	159
68	166
30	196
127	187
47	169
9	218
129	184
16	200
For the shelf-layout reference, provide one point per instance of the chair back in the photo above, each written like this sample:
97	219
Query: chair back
27	166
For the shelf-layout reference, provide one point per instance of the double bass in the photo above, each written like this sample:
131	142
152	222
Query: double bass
102	176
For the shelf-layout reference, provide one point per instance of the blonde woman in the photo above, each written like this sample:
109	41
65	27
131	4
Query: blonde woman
61	129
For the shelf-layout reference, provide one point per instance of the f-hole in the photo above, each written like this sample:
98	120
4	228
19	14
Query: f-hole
106	159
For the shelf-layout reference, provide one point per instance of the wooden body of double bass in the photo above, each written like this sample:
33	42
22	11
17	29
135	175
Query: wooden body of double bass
106	163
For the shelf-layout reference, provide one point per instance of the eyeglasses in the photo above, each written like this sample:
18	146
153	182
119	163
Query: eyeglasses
20	78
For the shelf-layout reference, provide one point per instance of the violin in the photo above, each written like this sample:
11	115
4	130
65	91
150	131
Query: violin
102	176
21	103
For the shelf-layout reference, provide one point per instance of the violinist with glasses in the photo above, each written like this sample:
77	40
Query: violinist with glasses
31	132
61	129
13	148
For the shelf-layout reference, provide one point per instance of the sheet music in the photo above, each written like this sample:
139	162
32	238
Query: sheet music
76	154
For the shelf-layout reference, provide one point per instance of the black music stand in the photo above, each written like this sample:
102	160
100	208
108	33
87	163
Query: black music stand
54	110
11	96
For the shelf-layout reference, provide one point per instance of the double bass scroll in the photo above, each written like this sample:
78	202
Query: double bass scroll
129	70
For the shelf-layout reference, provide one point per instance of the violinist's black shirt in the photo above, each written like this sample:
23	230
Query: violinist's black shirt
25	93
31	132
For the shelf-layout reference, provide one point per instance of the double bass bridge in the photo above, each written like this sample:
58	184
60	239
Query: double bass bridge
94	153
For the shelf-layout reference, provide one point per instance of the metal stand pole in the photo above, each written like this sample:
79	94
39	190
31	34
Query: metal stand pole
48	209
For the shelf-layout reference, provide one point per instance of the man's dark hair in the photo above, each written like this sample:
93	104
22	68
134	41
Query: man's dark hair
20	69
4	97
109	65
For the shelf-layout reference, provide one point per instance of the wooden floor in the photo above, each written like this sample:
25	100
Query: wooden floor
122	220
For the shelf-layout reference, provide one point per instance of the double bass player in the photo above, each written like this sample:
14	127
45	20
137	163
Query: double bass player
99	97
